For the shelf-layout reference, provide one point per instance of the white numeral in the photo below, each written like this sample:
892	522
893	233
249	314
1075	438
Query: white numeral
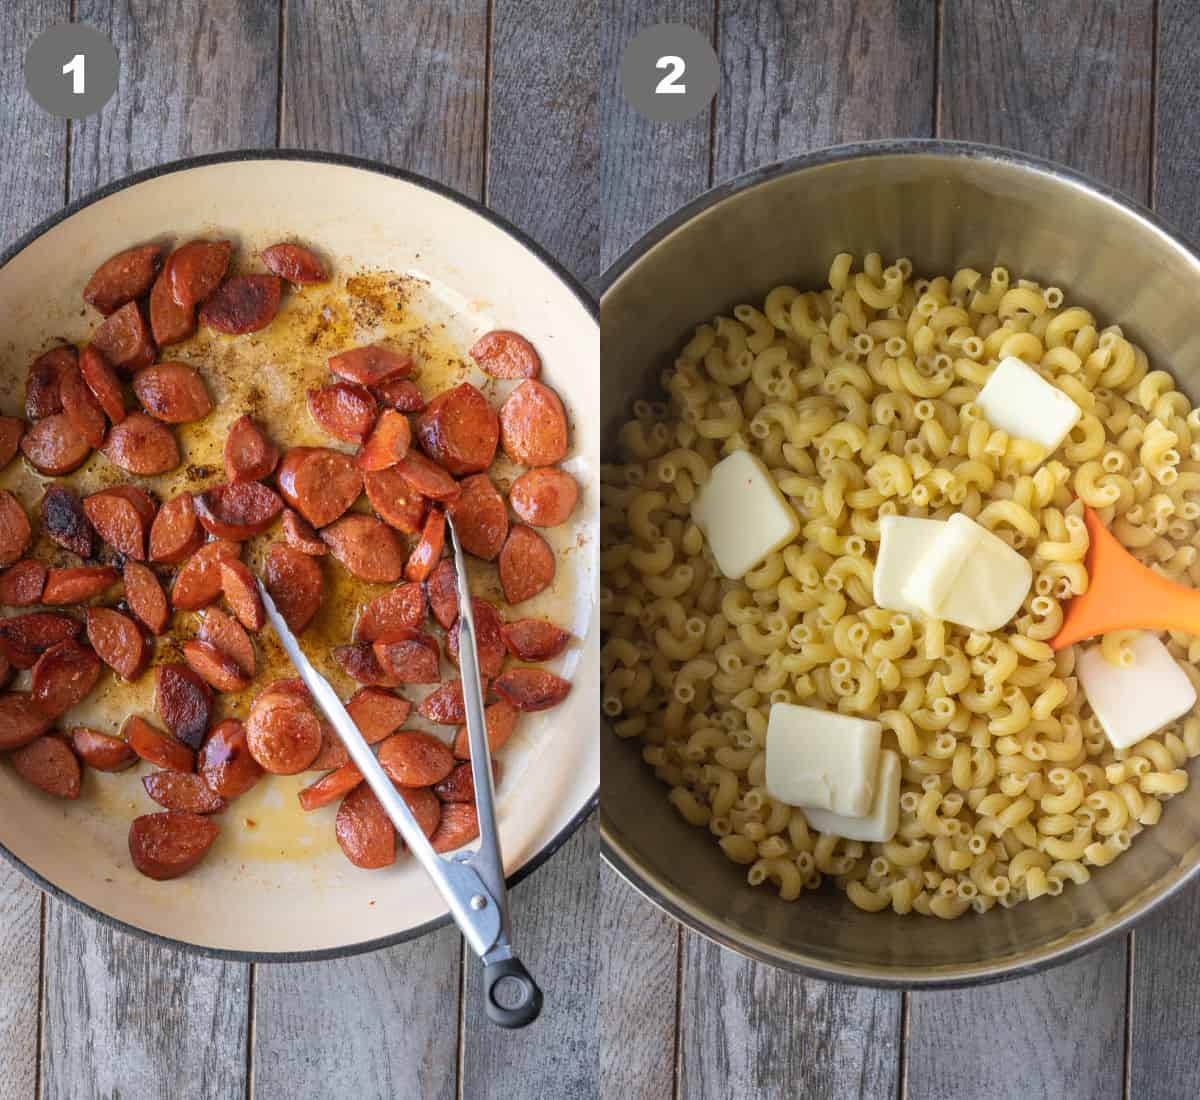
75	68
668	85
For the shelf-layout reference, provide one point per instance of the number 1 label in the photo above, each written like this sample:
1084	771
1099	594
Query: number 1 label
669	84
75	68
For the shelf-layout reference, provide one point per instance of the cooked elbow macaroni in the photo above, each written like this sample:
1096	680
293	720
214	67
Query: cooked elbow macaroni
861	401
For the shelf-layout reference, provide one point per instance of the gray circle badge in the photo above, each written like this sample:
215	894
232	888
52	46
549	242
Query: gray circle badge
669	72
71	70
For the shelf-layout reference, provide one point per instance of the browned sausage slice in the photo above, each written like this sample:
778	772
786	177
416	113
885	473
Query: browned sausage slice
124	339
364	830
24	637
459	785
459	825
388	442
11	430
249	454
480	517
53	446
183	701
377	712
172	392
196	269
21	720
414	759
241	592
445	704
344	410
535	639
49	764
15	532
155	746
220	671
333	753
526	565
544	497
64	521
184	791
76	584
141	445
409	660
103	382
166	845
42	397
145	596
403	609
505	354
21	584
366	548
102	751
533	425
425	806
230	637
123	277
176	533
442	590
63	676
428	551
122	516
283	733
294	580
225	760
427	478
459	430
81	408
244	303
319	483
401	394
299	533
358	661
117	641
170	322
298	265
330	787
237	511
530	689
371	365
397	503
199	582
489	638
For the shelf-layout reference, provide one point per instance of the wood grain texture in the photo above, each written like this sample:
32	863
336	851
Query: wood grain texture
639	970
20	981
197	76
398	82
543	152
384	1024
638	190
554	927
1072	82
800	74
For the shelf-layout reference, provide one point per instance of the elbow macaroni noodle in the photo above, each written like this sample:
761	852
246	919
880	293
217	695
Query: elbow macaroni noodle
860	399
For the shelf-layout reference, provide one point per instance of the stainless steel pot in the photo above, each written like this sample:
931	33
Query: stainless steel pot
944	205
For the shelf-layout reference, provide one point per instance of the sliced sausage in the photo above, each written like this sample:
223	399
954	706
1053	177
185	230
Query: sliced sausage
123	277
371	365
15	532
237	511
345	410
172	392
229	637
196	269
480	517
249	454
157	747
319	483
123	517
102	380
77	583
184	702
21	720
299	533
445	704
42	396
117	641
199	582
244	303
53	446
544	497
442	590
64	521
535	639
533	425
166	845
298	265
425	806
504	354
333	753
377	712
364	830
63	676
358	661
397	503
427	478
294	580
414	759
459	785
459	825
184	791
220	671
530	689
428	551
409	660
125	340
21	584
401	394
176	533
170	323
50	764
388	442
403	609
11	430
102	751
330	787
225	760
145	596
366	548
526	565
241	593
141	445
81	408
24	637
489	638
283	733
459	430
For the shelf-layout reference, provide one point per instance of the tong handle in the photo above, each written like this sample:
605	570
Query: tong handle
512	998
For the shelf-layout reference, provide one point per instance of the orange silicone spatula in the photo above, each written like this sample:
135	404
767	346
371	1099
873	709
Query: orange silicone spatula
1124	595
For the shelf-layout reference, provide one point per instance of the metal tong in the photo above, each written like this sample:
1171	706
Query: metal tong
472	882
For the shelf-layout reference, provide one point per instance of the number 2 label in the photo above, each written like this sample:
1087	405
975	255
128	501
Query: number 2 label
669	84
75	68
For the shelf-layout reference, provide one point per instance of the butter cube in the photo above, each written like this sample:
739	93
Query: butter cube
819	759
969	576
1018	400
1134	702
879	823
743	514
903	542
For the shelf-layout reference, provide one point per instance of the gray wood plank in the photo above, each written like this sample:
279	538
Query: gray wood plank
399	82
20	993
554	926
637	191
639	998
800	74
